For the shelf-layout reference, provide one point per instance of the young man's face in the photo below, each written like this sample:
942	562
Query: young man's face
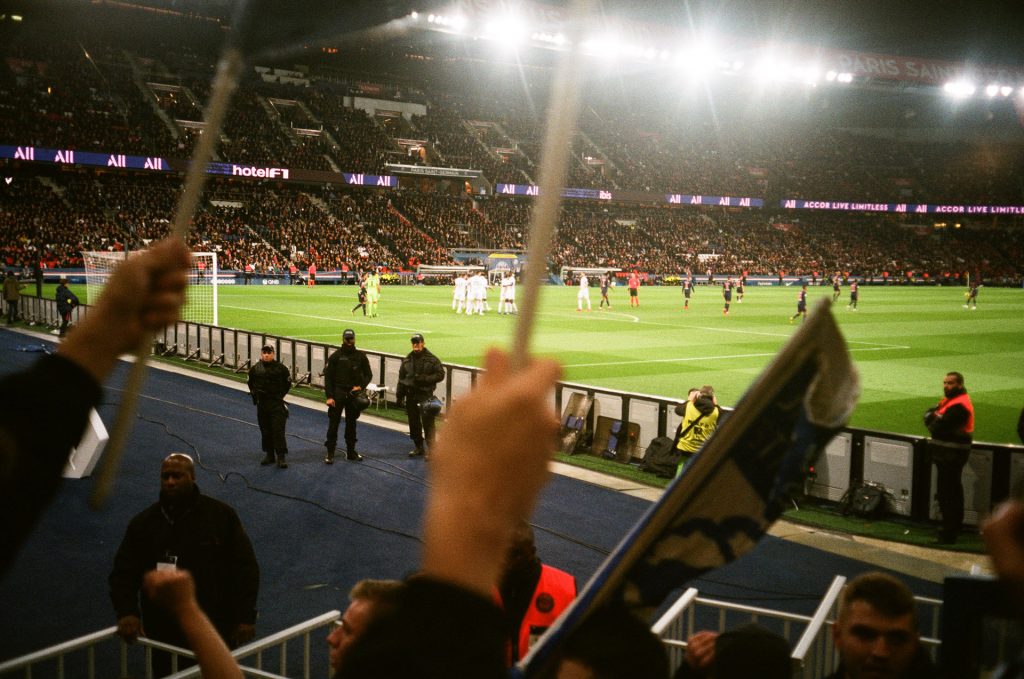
353	623
267	356
874	646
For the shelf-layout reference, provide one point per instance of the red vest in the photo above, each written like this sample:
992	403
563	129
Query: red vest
964	400
554	592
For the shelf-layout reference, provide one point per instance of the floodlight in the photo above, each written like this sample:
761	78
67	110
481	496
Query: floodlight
959	89
992	90
845	77
1006	90
831	76
506	29
606	46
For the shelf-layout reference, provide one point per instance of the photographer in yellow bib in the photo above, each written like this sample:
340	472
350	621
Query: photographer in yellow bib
700	418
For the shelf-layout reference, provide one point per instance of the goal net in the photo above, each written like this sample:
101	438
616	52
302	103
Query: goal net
200	296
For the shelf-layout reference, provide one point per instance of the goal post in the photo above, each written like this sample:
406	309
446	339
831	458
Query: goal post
445	273
200	296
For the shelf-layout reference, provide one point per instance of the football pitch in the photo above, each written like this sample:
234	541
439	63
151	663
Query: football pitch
903	340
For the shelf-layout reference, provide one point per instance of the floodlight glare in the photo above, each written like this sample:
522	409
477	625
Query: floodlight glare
606	46
992	90
508	30
1006	90
959	89
845	77
831	76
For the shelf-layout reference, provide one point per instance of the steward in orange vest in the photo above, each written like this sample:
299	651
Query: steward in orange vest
951	425
533	594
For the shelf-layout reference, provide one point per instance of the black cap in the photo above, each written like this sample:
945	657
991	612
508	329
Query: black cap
348	334
267	348
416	339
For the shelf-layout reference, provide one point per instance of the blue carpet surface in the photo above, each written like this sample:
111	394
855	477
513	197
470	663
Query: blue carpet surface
316	529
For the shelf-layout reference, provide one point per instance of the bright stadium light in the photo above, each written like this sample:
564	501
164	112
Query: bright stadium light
605	46
508	30
845	78
992	90
959	89
698	59
831	76
457	23
1006	90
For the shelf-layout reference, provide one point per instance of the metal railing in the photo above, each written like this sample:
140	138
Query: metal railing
99	653
809	636
898	461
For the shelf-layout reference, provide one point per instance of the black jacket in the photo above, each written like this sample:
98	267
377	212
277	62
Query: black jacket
269	381
66	300
950	426
34	444
345	369
419	375
209	541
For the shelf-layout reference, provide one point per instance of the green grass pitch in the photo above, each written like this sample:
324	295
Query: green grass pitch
903	340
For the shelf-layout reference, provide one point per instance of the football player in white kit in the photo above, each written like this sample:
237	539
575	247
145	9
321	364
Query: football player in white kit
459	296
584	293
477	290
508	294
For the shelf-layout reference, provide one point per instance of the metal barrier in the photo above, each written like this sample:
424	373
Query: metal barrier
809	636
101	655
898	461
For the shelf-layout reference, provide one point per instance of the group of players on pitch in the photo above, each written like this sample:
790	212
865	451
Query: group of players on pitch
470	294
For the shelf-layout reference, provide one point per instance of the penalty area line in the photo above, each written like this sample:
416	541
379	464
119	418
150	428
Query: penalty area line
343	321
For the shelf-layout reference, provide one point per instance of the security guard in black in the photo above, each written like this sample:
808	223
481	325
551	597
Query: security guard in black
269	382
346	375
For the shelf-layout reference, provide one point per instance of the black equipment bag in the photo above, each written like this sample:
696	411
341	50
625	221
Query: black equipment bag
866	500
662	457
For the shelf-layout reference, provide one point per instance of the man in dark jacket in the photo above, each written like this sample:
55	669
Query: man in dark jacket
345	377
951	425
269	381
417	378
66	301
187	530
12	293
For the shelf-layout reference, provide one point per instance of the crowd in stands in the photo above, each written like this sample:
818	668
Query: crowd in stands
271	226
95	96
100	94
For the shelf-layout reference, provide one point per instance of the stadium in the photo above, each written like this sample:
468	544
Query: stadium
783	147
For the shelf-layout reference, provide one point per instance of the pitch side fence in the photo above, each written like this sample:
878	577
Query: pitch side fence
896	461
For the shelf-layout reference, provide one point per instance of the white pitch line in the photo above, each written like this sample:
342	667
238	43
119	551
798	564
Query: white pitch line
693	358
364	333
343	321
